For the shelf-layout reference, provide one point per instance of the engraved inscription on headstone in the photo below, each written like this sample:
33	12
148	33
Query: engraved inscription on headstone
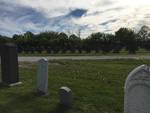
42	77
65	96
137	91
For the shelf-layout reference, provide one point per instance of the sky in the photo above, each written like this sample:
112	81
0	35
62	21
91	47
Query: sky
72	16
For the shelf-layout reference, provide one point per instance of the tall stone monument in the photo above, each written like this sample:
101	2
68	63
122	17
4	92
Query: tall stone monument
9	64
42	77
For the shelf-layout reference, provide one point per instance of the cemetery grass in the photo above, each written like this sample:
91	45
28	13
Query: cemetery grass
98	87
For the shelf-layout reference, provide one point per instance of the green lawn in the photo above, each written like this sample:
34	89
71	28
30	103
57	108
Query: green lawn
98	87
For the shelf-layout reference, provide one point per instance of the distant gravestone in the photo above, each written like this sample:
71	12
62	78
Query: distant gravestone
65	94
42	77
137	91
9	64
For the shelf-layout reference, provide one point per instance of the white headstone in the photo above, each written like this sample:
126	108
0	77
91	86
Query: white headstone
65	94
137	91
42	77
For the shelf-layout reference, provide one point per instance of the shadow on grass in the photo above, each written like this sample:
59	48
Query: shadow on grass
19	102
61	109
29	102
3	86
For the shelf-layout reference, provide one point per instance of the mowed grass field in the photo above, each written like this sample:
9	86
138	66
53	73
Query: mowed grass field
97	86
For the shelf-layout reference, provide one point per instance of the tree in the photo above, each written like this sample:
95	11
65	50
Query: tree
100	41
29	41
107	43
143	37
4	39
117	46
93	42
144	33
74	43
127	39
63	42
19	41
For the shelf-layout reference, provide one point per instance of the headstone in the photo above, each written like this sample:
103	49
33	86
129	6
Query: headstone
65	94
42	77
137	91
9	63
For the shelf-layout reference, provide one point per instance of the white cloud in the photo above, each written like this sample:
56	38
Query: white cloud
10	26
132	17
102	15
54	8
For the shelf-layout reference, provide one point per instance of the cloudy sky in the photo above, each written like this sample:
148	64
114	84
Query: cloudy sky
70	16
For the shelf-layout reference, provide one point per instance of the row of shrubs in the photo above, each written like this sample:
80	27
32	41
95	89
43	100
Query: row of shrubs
54	42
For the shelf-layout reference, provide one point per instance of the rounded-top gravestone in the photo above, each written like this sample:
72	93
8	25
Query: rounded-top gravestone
65	94
137	91
42	77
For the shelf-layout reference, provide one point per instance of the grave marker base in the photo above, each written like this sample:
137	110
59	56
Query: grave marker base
14	84
41	93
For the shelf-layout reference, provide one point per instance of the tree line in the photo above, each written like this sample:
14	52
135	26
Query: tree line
54	42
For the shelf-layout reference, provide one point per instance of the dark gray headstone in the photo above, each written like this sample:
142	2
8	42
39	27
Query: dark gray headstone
9	64
137	91
42	77
65	94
